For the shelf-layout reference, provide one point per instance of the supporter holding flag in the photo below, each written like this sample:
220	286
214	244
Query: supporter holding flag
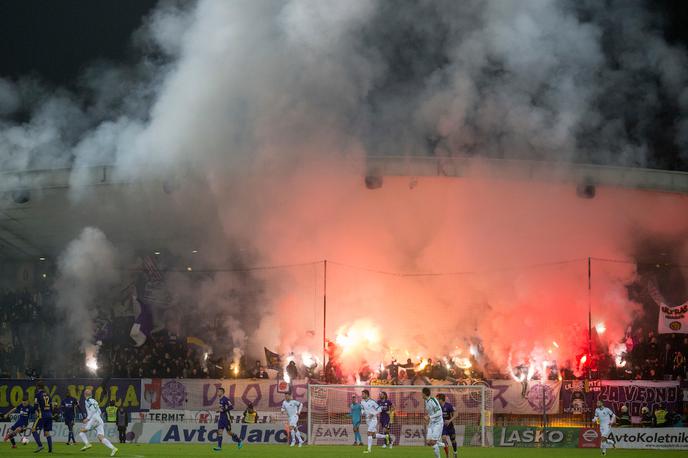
255	371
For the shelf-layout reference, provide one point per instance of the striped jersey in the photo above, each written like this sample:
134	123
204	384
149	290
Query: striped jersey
433	409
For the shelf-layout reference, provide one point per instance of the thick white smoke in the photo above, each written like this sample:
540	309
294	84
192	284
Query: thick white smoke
258	119
87	269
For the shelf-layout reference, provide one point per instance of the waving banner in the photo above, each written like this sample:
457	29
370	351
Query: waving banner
672	319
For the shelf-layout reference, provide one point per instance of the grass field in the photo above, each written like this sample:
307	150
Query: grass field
147	450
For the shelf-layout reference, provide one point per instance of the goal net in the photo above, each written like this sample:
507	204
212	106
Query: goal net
329	422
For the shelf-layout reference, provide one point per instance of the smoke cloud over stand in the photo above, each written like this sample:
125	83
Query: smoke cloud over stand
86	270
257	118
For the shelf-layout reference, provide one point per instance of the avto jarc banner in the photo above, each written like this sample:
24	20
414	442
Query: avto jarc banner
202	433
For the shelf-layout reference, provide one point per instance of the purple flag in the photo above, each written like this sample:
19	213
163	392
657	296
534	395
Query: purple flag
143	324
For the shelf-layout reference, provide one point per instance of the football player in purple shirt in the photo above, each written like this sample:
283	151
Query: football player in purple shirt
224	423
386	415
448	431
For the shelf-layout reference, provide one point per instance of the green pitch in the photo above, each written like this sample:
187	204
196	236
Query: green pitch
256	451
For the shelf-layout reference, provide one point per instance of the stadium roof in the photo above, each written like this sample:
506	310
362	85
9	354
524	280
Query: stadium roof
39	215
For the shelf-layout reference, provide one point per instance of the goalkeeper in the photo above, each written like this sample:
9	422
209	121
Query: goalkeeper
355	413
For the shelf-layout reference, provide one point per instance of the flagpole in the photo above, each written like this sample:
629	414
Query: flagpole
589	317
324	314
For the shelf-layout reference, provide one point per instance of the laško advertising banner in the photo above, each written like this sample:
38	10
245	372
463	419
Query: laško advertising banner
524	436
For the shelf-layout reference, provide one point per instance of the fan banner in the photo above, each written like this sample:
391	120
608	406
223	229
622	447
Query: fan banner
672	319
634	394
202	394
525	398
125	392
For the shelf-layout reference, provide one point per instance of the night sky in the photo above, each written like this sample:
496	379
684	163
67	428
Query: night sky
54	40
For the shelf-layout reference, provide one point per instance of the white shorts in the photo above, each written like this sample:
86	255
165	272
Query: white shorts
605	431
97	424
372	424
294	421
435	430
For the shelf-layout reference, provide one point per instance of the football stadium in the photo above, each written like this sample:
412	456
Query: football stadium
321	228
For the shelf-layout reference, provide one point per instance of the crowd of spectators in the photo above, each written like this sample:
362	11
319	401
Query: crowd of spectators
26	317
650	357
159	357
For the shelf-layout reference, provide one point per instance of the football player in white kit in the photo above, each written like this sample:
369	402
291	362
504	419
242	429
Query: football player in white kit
605	418
93	421
433	413
292	408
371	410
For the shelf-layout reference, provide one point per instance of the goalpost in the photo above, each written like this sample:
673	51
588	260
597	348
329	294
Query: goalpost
329	422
